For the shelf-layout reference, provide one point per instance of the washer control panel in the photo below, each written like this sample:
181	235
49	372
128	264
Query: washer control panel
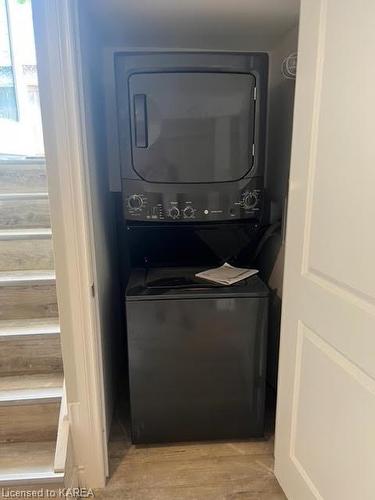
196	205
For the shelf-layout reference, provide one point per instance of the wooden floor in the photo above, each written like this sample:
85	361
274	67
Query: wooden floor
199	471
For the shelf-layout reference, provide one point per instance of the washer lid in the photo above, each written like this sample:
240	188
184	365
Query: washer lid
180	282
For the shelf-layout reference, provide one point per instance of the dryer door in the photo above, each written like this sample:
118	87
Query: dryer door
191	127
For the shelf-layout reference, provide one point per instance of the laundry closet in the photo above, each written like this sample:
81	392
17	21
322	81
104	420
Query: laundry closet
189	133
190	128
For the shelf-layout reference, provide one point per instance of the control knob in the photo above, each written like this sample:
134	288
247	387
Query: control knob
188	212
174	212
135	202
250	200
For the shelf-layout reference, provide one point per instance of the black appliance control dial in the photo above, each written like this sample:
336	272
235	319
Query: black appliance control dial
135	202
250	200
188	212
174	212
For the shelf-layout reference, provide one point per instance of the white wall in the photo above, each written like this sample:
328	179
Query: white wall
103	211
280	122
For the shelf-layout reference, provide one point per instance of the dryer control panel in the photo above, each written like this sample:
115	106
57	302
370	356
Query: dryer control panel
197	203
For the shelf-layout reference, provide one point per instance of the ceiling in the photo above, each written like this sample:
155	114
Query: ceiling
231	24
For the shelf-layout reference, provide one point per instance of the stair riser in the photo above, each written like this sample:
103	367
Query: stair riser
22	178
29	465
30	354
29	422
18	213
28	301
20	255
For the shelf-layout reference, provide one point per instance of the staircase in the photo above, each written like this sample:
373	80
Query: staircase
31	372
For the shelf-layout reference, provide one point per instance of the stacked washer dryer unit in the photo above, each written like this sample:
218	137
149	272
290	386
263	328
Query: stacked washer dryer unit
192	132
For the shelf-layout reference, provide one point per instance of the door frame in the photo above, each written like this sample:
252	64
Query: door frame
61	96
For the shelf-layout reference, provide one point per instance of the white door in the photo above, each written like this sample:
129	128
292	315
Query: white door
325	431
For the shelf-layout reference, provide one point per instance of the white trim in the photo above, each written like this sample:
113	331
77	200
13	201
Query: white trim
86	163
60	91
63	430
37	233
29	479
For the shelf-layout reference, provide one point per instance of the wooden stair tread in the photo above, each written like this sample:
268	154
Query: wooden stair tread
16	278
27	233
45	387
24	327
28	463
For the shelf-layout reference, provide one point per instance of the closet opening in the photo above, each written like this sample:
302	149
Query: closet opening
189	118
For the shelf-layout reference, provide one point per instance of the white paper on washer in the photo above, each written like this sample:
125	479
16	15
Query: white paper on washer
226	274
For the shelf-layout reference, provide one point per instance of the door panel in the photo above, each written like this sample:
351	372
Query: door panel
325	434
343	168
319	445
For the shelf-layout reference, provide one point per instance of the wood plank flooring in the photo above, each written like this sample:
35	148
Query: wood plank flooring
191	471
